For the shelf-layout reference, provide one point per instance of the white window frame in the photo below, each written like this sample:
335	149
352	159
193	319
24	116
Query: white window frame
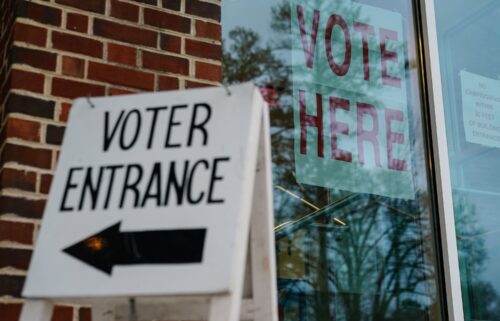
448	244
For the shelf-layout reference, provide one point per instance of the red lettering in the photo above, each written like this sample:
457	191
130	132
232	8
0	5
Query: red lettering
367	135
313	121
394	138
366	30
387	55
339	70
338	127
309	51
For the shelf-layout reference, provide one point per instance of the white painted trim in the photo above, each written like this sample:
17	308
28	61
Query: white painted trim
39	310
441	164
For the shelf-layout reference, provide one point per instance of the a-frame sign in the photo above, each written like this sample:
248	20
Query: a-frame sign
152	207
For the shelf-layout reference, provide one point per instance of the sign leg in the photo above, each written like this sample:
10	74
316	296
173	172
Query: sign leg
225	308
37	310
263	263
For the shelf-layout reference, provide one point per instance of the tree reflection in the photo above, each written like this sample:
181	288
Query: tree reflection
341	256
373	268
481	300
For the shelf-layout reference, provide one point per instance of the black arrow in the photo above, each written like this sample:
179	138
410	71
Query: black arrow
111	247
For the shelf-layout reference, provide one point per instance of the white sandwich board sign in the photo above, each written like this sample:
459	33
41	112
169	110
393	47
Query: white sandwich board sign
152	197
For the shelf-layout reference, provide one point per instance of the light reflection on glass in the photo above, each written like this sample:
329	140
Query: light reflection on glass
341	255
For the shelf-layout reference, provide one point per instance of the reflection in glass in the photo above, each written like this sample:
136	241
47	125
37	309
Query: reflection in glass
343	254
469	46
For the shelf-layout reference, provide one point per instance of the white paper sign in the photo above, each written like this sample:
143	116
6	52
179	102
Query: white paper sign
481	109
350	98
149	195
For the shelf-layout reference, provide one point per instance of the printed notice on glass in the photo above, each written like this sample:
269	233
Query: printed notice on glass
481	109
350	99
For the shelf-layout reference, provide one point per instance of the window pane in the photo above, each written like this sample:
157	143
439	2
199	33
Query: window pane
469	45
352	200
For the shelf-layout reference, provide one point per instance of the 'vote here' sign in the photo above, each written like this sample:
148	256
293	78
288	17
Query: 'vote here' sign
350	99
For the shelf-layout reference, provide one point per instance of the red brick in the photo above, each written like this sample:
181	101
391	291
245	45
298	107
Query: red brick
72	89
27	80
18	232
45	183
4	89
124	11
119	91
167	20
72	66
85	314
88	5
208	71
64	114
77	22
40	13
16	258
54	134
195	84
203	9
122	54
121	76
77	44
203	49
208	30
30	34
12	285
172	4
19	179
10	311
19	103
24	207
151	2
34	58
4	41
170	43
23	129
62	313
116	31
165	63
24	155
168	83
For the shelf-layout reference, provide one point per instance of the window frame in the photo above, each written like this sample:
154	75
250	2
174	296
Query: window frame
441	169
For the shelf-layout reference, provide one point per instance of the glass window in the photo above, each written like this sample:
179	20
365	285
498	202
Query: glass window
469	45
354	218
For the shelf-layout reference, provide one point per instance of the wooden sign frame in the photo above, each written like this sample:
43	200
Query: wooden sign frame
254	294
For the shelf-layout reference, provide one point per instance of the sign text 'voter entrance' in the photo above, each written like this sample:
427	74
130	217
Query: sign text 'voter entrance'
111	186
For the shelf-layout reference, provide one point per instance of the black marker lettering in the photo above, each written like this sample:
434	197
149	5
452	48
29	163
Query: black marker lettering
155	111
154	180
190	181
215	178
179	186
108	137
112	169
92	188
131	185
199	125
124	145
172	123
69	185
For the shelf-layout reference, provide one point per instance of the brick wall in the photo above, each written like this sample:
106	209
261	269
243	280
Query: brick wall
7	18
63	49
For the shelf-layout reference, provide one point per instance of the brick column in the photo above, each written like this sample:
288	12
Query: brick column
55	50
